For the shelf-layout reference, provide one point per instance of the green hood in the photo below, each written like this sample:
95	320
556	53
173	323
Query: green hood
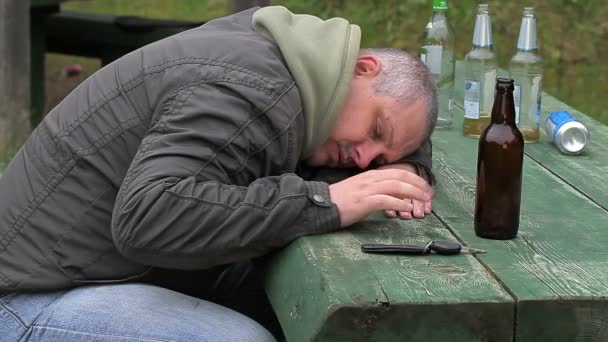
321	55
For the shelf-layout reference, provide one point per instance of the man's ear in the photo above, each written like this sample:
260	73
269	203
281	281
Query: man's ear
367	66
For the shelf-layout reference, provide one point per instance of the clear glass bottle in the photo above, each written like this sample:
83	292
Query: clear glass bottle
438	54
480	76
526	68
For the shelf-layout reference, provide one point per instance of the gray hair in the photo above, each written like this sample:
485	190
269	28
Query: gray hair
406	79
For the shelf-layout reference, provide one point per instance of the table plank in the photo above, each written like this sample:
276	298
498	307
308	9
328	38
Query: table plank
585	172
557	268
325	288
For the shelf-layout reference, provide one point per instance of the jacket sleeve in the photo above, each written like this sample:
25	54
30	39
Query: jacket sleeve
195	195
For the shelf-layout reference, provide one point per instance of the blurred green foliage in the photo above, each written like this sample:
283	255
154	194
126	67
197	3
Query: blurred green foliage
573	34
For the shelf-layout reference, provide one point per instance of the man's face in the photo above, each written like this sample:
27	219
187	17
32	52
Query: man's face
371	127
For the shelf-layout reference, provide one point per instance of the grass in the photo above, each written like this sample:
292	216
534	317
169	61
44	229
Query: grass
572	33
196	10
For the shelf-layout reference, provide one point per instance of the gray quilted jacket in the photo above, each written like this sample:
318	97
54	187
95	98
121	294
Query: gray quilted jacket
181	155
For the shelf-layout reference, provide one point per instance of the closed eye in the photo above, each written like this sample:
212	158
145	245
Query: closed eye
377	131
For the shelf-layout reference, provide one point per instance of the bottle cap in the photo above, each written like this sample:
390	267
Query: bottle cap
440	5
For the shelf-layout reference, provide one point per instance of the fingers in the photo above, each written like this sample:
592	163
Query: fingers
400	175
428	207
390	213
388	203
375	190
405	215
418	210
398	189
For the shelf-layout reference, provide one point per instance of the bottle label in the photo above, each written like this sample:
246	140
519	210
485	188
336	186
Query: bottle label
471	99
556	120
517	101
538	82
433	58
423	52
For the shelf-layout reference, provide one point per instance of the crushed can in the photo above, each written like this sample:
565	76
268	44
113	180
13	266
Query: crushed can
569	135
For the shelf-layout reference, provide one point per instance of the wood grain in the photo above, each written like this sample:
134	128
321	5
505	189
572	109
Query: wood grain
557	268
324	288
548	284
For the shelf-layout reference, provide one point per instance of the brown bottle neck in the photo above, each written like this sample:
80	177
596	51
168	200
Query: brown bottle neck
503	111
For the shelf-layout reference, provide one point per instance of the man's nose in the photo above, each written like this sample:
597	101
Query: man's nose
365	153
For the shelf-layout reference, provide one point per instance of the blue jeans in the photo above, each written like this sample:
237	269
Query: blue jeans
124	312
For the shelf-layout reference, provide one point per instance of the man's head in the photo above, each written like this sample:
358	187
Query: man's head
391	108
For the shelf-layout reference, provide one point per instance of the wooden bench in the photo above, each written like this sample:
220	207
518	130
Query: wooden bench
106	37
549	284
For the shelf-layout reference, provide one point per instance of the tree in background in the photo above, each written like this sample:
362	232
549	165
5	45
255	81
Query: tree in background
14	87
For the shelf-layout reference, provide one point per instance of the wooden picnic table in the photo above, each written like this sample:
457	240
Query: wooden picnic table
548	284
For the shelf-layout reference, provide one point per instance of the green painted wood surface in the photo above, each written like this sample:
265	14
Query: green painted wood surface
548	284
584	172
324	288
557	269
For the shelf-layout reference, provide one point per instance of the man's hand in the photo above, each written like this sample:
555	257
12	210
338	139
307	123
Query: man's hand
360	195
419	208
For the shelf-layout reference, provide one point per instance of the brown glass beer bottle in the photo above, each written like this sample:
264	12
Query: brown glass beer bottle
499	169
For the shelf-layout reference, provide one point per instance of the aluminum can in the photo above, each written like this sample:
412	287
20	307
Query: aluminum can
569	135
